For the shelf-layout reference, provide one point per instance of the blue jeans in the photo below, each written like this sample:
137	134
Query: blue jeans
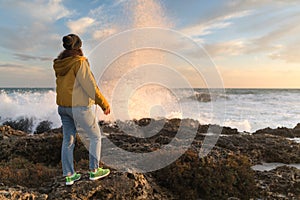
79	120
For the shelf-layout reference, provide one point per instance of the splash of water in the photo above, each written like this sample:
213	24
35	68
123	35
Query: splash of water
147	100
148	13
37	106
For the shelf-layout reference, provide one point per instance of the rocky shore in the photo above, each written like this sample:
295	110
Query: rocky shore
30	165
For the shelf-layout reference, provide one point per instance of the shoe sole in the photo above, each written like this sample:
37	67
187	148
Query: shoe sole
72	182
96	178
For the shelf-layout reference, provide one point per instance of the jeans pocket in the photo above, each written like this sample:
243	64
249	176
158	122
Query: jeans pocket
84	108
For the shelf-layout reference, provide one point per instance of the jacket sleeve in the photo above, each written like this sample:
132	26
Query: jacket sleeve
86	79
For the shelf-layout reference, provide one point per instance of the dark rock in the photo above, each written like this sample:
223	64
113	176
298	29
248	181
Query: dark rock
117	185
220	175
296	130
201	97
280	183
297	126
20	193
33	161
22	124
44	149
281	131
144	121
263	148
20	171
43	126
217	129
8	132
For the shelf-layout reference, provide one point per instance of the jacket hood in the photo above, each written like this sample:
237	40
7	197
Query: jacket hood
62	66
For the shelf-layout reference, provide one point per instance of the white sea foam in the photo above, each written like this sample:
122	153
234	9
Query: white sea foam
297	140
247	112
240	125
37	105
271	166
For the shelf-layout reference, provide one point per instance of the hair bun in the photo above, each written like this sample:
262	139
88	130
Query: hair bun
71	41
67	40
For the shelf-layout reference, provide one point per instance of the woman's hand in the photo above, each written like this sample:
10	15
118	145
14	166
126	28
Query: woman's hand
106	111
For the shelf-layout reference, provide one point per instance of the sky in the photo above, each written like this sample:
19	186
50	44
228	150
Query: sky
253	44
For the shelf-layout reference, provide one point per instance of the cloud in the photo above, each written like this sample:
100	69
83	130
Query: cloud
11	66
272	44
23	68
256	3
17	75
221	16
26	57
33	24
269	42
42	10
274	38
289	54
204	29
214	24
260	35
79	26
228	48
52	11
97	22
97	12
101	34
119	2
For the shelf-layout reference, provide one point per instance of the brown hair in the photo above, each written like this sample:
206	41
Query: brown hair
70	53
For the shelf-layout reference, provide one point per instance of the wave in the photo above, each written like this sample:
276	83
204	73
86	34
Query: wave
29	109
28	125
240	125
35	109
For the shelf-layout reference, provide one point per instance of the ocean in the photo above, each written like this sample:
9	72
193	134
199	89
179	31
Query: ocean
245	109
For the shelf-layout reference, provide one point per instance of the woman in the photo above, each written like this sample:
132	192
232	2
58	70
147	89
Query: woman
76	91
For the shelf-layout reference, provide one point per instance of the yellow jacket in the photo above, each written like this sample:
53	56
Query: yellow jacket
75	83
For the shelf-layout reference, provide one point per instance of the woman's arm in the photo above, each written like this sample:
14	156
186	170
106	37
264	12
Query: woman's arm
88	83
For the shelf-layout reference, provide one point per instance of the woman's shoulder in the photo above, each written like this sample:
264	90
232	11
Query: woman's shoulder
80	57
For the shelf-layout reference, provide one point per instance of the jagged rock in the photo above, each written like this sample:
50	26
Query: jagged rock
224	173
220	175
22	124
263	148
201	97
280	183
297	126
7	132
20	193
43	126
217	129
296	130
42	148
281	131
118	185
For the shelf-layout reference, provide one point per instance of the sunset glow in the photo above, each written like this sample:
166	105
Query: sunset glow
254	44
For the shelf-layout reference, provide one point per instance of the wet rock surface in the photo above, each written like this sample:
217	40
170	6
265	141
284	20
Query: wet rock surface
30	165
116	186
280	183
281	131
201	97
263	148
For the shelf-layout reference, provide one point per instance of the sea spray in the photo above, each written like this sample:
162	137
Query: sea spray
149	100
39	105
28	107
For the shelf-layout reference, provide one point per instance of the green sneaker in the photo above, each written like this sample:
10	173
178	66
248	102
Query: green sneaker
100	173
71	179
